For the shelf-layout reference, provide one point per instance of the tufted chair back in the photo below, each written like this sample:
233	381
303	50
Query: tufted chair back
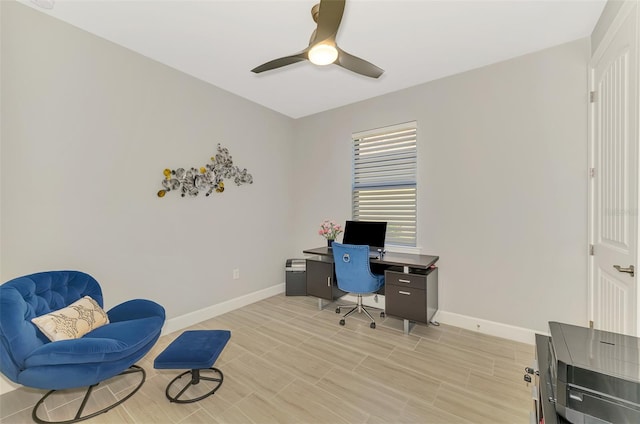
353	272
30	296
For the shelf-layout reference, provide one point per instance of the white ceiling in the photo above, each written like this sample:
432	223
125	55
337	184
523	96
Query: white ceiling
413	41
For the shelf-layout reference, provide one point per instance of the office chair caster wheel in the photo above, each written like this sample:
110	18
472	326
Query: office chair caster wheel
382	315
372	325
337	310
341	322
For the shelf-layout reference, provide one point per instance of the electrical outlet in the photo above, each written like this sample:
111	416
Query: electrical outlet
236	274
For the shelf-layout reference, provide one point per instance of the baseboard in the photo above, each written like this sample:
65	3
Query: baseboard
6	385
492	328
506	331
187	320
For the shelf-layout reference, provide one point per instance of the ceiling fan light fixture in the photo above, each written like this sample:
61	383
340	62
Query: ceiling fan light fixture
323	49
323	54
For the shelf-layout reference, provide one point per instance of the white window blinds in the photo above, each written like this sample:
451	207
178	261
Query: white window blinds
384	180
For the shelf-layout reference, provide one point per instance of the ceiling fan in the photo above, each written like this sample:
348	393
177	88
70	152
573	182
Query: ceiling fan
322	49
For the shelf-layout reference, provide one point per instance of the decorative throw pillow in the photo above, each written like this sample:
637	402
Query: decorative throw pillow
72	322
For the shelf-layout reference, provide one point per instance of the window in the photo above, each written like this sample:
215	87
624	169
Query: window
384	180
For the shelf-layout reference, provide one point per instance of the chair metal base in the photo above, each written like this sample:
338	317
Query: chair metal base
358	307
196	377
79	417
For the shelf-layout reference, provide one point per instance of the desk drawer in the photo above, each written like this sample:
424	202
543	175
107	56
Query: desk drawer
413	281
406	303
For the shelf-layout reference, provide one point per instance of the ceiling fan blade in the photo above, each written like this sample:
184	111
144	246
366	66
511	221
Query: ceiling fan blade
329	17
280	62
357	65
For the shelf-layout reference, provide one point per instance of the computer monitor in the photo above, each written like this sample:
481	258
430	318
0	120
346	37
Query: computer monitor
371	233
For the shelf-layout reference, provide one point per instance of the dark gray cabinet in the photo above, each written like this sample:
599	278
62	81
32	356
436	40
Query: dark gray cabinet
412	296
320	279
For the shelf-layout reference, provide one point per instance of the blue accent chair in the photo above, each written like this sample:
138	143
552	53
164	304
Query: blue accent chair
353	275
29	358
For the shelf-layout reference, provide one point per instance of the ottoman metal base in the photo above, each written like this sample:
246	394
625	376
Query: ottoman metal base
196	377
196	351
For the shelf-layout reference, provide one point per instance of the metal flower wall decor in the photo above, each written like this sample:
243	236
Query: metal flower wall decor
208	178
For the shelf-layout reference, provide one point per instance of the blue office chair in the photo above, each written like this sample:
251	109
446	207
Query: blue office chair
30	358
353	275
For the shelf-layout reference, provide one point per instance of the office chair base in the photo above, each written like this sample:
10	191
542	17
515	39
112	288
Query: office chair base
196	377
79	417
359	307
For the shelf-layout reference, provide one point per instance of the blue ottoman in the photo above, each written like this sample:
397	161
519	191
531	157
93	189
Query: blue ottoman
197	351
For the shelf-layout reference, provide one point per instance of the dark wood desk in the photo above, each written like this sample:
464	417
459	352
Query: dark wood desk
411	283
409	260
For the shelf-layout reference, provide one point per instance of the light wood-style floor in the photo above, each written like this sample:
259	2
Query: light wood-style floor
288	362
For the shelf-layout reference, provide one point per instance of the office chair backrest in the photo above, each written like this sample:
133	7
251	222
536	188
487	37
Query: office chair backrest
353	273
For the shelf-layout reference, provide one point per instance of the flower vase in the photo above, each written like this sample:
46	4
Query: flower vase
329	243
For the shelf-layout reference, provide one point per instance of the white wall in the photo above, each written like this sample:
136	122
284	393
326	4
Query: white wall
88	128
502	182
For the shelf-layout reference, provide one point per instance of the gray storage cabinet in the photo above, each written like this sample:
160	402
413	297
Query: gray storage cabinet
296	277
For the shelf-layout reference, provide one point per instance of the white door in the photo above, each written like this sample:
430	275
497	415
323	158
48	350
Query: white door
613	293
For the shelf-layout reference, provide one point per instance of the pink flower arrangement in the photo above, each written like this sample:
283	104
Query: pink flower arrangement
329	230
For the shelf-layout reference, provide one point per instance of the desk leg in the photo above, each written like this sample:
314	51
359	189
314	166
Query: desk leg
320	304
407	326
